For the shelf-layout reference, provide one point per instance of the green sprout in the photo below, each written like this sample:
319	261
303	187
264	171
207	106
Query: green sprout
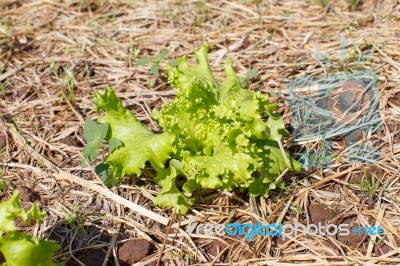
249	75
155	63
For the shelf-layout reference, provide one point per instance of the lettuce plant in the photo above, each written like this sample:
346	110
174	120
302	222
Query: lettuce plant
215	136
19	248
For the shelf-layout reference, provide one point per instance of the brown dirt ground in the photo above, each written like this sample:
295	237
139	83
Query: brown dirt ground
55	54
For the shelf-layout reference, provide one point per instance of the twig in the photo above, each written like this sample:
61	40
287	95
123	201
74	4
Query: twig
110	248
327	179
165	238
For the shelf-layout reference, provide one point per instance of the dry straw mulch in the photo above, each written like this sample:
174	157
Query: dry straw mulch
55	54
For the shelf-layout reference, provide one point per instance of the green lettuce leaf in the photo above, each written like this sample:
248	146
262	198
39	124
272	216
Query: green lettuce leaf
131	143
11	209
273	165
19	248
170	195
93	134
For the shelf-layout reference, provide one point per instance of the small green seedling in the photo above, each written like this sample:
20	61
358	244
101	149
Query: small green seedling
249	75
93	134
155	63
76	219
370	186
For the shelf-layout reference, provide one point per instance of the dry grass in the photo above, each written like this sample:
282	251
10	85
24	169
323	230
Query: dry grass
55	54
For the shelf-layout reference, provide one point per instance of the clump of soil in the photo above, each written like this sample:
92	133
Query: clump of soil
27	194
93	257
214	248
134	250
352	240
71	141
395	100
381	249
26	197
319	213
